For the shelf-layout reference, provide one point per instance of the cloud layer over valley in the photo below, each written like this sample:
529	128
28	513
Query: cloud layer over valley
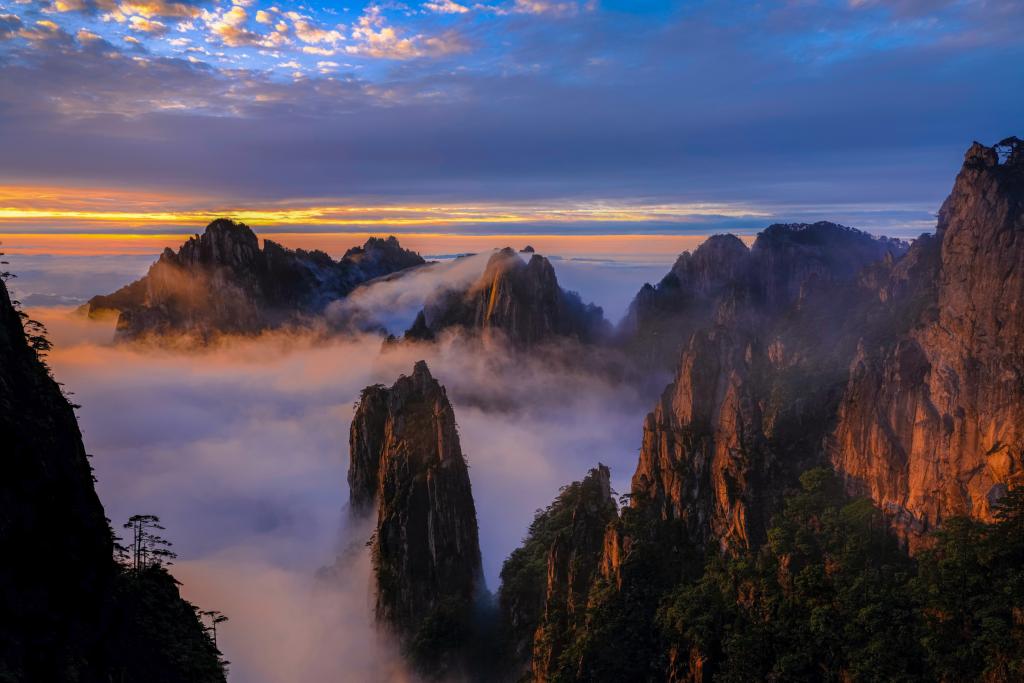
241	449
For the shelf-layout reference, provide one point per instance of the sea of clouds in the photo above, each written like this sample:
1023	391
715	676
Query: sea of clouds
242	450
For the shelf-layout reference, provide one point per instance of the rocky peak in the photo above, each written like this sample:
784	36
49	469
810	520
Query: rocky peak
723	282
515	300
221	282
405	455
931	421
545	582
791	256
223	243
719	261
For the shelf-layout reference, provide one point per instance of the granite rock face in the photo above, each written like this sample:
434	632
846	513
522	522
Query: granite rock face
67	610
406	458
932	420
222	282
723	278
754	394
516	300
546	583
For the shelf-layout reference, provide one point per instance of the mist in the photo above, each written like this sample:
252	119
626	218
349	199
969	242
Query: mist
242	450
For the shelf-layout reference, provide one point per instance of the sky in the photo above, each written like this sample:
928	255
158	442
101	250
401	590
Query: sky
501	116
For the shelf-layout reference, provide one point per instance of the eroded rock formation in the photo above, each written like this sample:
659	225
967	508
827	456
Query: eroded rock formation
222	282
515	300
406	458
546	582
932	420
903	369
774	330
722	277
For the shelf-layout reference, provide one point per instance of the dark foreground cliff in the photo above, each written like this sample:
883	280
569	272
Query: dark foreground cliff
406	460
68	611
222	282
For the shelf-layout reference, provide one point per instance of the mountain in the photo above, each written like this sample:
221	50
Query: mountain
68	611
406	459
819	366
545	583
785	262
932	420
222	282
516	300
771	333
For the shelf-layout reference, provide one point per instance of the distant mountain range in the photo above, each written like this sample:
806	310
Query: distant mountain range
222	282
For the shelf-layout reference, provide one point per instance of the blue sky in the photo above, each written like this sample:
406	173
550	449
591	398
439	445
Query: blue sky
854	110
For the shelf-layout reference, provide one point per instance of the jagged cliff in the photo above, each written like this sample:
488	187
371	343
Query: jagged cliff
546	582
903	370
68	612
932	420
406	458
722	276
513	299
222	282
756	385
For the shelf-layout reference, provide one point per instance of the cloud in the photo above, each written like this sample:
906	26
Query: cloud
393	304
45	31
159	9
9	26
375	38
322	51
229	27
446	7
241	451
263	17
527	117
551	8
149	26
308	32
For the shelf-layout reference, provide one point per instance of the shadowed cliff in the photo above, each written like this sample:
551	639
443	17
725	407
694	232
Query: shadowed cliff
406	459
68	611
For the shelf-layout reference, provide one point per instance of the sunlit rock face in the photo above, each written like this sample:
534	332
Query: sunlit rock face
514	300
406	458
222	282
769	333
932	421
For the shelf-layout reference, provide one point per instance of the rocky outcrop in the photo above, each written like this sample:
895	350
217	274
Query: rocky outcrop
222	282
546	582
722	277
514	300
66	608
406	457
932	420
662	317
903	369
754	396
